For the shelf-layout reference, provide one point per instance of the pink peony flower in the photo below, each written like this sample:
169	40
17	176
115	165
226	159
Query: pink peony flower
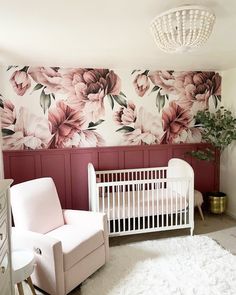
65	122
141	84
163	79
195	88
148	129
48	77
31	132
86	138
175	120
126	116
8	113
87	88
20	82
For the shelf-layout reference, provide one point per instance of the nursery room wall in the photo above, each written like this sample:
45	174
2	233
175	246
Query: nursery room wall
76	107
228	158
98	112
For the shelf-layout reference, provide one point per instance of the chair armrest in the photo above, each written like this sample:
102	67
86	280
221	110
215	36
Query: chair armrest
79	217
95	219
49	273
25	239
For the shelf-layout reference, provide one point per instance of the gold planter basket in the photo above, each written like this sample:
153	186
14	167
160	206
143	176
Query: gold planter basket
218	202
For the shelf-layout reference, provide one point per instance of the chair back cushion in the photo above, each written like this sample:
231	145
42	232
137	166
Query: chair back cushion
36	206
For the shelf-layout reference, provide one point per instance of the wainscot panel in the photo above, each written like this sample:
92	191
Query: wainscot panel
68	167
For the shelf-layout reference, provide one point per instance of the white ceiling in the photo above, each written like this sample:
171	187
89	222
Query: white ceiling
107	33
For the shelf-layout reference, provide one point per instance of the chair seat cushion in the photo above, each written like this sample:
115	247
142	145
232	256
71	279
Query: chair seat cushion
77	243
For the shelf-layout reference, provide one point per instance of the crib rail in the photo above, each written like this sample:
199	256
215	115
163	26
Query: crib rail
131	174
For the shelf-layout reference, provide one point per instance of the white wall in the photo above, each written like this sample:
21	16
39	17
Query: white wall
228	158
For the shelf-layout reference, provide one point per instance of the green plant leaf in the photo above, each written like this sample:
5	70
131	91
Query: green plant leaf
37	87
120	100
6	132
45	101
217	128
205	155
125	129
111	100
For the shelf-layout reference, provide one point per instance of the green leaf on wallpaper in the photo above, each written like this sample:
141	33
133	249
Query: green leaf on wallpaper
215	101
120	100
155	88
6	132
56	68
24	69
134	71
122	93
125	129
37	87
160	101
53	96
45	101
111	100
10	67
92	124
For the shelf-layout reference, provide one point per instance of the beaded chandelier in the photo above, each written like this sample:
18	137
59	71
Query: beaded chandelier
182	29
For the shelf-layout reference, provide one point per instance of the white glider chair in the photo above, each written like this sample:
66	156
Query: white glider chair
69	245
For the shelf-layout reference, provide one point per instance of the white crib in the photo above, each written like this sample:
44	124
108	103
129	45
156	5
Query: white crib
144	200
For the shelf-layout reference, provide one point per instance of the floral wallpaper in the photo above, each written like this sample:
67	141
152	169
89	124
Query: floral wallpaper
50	108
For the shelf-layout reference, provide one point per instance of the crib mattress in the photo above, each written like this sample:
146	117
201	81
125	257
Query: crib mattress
142	203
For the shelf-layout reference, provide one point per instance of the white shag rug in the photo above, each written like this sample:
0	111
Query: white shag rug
179	266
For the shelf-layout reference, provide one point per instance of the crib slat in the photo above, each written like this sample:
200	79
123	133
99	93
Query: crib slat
157	195
152	188
181	205
128	208
162	204
108	209
113	209
123	200
133	193
176	207
148	201
118	207
143	206
185	209
171	206
138	187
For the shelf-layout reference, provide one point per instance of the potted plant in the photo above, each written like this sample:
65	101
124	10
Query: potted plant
218	129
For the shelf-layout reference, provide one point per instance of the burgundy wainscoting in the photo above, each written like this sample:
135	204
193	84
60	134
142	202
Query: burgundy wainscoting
68	167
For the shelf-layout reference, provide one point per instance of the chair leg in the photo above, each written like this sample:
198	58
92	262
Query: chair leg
31	285
200	211
20	288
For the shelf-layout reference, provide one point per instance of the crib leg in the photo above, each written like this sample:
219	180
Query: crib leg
191	231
